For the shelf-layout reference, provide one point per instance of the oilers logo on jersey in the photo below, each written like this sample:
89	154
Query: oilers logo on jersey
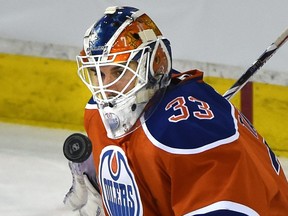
119	189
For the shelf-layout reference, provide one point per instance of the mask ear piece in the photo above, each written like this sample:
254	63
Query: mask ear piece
160	63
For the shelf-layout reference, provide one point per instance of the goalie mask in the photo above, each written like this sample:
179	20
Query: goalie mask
124	62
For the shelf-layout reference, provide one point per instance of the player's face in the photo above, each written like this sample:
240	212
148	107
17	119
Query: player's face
116	78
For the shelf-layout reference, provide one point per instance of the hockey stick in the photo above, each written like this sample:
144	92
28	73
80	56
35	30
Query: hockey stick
241	82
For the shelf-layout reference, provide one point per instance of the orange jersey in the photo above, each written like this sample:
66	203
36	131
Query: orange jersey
196	155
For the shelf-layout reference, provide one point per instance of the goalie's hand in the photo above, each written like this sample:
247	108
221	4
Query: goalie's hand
94	205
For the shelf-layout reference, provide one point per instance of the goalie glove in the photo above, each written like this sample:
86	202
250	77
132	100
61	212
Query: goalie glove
77	194
94	205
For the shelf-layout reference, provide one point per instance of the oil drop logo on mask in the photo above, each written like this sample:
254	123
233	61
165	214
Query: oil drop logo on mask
113	120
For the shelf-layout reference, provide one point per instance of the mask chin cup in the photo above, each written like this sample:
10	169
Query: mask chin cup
123	118
119	120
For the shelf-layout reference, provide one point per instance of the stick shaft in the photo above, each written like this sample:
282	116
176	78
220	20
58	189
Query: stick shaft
238	85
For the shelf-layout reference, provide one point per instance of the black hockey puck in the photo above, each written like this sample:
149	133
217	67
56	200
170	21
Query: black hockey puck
77	147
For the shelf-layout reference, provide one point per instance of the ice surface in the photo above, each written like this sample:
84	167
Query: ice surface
34	175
